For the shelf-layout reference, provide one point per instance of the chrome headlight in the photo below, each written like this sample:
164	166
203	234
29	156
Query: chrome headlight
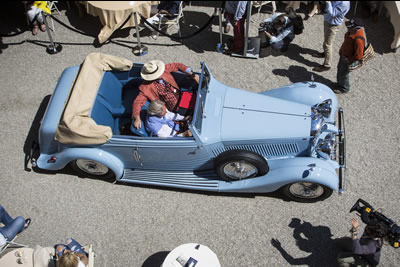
316	122
327	147
324	108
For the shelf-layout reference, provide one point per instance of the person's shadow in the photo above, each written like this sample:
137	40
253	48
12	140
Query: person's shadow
300	74
295	52
312	239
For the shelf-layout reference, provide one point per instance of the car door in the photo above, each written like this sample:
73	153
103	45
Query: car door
171	154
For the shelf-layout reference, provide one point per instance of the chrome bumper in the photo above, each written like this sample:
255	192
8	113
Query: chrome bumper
342	149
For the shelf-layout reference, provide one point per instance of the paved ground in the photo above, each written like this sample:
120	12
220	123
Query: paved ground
136	226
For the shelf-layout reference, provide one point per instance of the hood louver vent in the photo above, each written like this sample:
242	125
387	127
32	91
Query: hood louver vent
266	150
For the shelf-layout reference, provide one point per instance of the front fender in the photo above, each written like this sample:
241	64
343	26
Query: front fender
308	93
70	154
286	171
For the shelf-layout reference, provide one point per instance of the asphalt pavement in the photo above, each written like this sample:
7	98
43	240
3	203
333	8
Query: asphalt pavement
131	225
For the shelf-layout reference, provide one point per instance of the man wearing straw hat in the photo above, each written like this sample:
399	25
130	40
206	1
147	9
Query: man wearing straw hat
159	84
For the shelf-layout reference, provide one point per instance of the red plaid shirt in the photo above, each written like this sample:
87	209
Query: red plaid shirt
154	90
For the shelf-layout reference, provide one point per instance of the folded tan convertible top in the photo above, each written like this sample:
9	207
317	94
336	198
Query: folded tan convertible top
75	126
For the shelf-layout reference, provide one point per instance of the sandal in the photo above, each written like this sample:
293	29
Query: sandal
42	27
35	29
27	223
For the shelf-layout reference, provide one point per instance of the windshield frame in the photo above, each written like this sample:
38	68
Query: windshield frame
202	91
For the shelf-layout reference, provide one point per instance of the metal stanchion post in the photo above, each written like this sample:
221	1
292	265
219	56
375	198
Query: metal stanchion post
139	50
246	34
52	48
251	45
220	44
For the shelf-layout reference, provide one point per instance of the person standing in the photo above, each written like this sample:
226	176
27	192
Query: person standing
236	14
351	52
333	17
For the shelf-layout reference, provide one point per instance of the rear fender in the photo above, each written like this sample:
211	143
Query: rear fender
54	110
70	154
287	171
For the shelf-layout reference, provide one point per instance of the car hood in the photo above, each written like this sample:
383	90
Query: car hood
246	115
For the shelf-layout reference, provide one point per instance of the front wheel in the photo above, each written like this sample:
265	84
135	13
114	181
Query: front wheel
92	169
306	192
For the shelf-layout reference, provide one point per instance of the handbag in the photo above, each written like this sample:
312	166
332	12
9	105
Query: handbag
369	53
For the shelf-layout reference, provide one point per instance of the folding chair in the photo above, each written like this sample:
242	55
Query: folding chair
259	5
164	21
53	8
11	244
90	252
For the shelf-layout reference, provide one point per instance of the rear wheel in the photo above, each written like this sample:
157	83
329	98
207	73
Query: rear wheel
306	192
92	169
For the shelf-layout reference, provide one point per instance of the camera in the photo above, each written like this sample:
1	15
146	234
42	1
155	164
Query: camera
370	216
267	27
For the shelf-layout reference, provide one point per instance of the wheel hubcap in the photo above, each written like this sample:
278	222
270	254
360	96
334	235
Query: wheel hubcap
306	190
91	167
239	170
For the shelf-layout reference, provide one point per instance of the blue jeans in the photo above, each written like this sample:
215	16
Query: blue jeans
343	73
11	226
284	43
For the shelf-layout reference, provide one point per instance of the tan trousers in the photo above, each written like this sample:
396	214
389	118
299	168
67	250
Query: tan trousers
329	36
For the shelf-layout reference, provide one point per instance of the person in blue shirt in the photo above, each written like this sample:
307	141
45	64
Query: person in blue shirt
282	33
333	17
163	123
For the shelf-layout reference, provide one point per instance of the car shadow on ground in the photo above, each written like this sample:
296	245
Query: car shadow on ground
276	194
316	240
32	139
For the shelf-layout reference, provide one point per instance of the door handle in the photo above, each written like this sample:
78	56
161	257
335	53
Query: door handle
136	155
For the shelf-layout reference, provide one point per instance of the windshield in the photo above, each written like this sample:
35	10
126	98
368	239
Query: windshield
201	97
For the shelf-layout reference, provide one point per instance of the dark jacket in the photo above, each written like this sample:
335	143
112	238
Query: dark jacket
368	248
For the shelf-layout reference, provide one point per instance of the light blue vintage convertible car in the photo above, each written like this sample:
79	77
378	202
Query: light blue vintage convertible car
285	138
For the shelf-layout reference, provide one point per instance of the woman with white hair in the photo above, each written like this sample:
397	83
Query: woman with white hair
161	122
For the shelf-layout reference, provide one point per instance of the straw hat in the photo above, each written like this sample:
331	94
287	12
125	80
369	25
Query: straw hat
152	70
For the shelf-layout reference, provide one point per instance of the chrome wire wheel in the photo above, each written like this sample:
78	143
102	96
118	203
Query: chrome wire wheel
91	167
238	170
306	190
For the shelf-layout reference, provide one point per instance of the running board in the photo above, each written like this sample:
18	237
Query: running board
205	180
